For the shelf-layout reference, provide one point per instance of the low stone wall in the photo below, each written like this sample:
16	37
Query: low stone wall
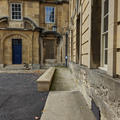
97	86
45	80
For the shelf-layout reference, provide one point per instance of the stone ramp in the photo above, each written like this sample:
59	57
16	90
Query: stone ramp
66	105
63	80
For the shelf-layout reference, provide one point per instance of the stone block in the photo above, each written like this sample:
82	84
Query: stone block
36	66
100	87
44	81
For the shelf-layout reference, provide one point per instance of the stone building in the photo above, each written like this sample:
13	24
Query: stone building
94	28
33	32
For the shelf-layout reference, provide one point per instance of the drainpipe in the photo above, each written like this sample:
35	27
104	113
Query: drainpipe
66	45
32	46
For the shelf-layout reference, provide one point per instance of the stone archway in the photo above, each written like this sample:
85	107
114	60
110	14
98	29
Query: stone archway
6	48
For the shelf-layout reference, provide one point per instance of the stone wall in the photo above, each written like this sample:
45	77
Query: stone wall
118	38
103	89
30	28
30	46
84	10
61	16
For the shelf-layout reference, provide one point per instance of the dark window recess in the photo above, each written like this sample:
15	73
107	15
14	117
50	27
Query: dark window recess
95	110
106	58
106	7
106	24
106	40
77	38
71	45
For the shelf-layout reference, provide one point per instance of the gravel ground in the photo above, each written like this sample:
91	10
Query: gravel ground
19	99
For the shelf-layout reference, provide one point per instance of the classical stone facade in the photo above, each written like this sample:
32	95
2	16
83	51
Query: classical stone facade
94	53
33	32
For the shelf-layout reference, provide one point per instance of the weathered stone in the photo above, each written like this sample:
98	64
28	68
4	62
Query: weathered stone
103	89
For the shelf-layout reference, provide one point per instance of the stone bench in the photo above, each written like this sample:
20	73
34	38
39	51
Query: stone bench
44	81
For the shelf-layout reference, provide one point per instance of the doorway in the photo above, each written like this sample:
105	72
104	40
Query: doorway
50	49
16	51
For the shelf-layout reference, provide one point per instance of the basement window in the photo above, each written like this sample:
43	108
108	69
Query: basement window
16	11
49	14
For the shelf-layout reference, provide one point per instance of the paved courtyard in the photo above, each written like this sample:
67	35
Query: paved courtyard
19	99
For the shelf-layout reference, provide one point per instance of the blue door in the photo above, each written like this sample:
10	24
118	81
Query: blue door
16	51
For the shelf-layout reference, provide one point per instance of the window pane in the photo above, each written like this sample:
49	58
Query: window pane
106	56
105	37
12	5
106	24
49	12
13	9
19	17
106	40
19	5
106	6
16	11
19	9
13	17
105	31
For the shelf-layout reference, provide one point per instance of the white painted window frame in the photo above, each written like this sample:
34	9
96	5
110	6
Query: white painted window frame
103	65
11	11
54	14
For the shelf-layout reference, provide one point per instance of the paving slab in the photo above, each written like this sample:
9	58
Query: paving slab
66	105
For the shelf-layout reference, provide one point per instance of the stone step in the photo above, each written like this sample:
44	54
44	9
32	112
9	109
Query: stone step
46	65
15	67
50	61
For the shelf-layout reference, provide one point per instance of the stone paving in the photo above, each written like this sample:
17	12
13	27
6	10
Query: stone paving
19	99
65	102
